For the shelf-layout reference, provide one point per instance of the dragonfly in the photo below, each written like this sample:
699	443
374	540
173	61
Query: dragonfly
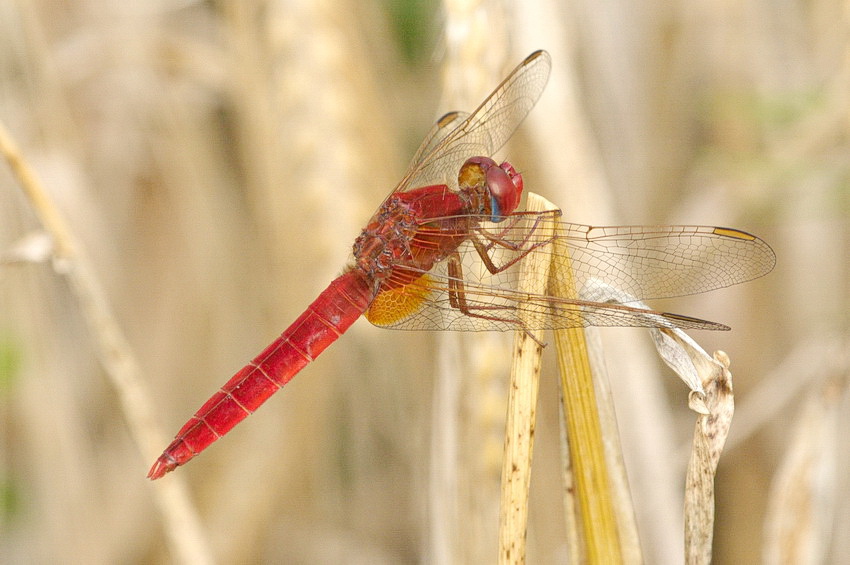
443	249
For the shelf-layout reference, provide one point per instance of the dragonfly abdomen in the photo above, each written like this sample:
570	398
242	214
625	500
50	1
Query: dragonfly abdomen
327	318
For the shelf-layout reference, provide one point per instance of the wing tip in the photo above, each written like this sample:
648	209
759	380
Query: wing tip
691	323
768	259
535	55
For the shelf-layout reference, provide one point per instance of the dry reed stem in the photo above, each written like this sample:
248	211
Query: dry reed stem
593	500
565	143
522	407
182	523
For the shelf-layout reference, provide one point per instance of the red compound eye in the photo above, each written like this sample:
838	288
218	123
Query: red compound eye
502	182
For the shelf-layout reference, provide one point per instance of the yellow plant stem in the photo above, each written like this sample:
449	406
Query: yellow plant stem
586	450
593	498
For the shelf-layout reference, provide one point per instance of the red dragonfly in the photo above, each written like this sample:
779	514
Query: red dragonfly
441	253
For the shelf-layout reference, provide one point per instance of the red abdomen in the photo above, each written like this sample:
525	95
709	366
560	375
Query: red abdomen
336	308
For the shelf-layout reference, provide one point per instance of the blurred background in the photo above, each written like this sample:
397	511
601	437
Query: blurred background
216	160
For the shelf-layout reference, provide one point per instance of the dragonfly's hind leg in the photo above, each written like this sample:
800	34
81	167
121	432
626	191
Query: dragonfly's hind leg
457	299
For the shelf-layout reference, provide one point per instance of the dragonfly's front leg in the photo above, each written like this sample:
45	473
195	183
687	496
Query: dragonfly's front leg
497	237
485	241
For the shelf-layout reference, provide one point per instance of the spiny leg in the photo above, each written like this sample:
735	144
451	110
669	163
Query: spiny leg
457	299
496	238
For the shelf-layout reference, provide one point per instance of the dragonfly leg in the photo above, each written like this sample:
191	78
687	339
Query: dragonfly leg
497	237
522	248
457	299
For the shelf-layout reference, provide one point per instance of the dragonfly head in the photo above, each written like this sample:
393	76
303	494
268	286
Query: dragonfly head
502	183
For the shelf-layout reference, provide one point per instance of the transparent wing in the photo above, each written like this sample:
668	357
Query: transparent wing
444	126
639	262
486	308
458	136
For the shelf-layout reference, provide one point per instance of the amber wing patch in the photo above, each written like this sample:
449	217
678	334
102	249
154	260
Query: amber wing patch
396	304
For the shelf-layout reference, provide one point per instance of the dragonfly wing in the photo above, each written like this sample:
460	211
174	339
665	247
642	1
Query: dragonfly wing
612	269
487	308
444	126
645	262
650	262
458	136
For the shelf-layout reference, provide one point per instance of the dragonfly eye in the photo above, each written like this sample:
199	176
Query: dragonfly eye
509	184
505	186
502	182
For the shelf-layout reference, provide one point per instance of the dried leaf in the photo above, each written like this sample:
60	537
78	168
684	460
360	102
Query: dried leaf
710	435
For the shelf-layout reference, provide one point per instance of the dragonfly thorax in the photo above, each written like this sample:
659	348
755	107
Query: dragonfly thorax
384	242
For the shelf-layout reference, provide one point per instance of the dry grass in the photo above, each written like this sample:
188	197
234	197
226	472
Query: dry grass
216	160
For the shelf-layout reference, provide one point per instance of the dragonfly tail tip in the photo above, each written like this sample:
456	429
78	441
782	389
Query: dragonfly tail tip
165	464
